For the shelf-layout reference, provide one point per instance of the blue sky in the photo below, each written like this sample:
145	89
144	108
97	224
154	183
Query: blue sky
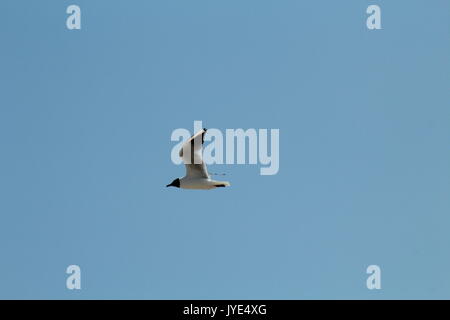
85	123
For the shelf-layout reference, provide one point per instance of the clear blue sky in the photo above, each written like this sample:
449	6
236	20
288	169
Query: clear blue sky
85	124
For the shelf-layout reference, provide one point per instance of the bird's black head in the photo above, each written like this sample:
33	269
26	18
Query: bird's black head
174	183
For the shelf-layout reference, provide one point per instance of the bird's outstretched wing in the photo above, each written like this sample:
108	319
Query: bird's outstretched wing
191	153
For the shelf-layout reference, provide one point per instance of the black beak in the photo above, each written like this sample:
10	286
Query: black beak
174	183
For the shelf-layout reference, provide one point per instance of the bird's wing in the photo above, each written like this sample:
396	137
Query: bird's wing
191	153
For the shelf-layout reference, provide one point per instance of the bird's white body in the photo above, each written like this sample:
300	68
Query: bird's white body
197	176
201	183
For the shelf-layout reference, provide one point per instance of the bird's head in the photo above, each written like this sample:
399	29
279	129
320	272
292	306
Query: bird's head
174	183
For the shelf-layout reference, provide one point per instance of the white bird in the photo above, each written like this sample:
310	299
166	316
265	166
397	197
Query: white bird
197	176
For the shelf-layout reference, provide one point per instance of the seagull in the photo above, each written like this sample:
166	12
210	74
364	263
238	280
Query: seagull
197	176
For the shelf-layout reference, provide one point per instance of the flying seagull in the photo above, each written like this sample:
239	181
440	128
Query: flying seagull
197	176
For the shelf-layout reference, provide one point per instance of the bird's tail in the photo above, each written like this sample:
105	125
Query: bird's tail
222	184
